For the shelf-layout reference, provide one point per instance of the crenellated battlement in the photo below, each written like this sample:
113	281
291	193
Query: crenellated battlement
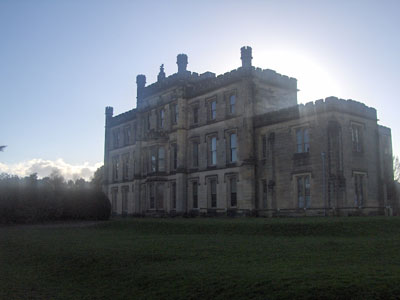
319	106
196	84
122	118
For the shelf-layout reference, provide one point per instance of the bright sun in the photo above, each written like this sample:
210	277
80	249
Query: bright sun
313	80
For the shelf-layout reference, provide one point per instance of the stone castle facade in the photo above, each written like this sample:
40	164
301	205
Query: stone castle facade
239	143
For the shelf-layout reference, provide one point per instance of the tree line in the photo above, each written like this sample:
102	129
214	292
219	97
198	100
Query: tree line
30	199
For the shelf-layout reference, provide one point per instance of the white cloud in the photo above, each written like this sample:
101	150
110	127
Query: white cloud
45	167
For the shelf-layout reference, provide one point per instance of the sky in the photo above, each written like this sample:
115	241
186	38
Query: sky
63	62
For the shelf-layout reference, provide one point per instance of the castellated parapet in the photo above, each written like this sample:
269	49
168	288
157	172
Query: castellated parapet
240	144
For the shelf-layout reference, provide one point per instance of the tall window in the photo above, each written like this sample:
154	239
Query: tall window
161	159
264	193
125	166
195	153
175	113
213	110
134	134
174	154
233	147
125	190
173	195
356	138
358	189
303	191
114	194
195	115
213	192
264	146
127	135
148	120
153	158
152	199
232	102
160	195
212	151
302	140
116	138
195	195
233	192
115	167
161	118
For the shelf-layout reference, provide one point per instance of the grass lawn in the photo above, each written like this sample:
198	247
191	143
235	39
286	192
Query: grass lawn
204	258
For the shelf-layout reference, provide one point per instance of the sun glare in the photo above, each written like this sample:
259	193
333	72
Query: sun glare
313	80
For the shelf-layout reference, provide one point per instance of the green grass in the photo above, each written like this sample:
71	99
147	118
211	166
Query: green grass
204	258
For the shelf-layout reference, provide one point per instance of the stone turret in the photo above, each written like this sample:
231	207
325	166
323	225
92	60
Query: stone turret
141	83
246	56
109	113
182	61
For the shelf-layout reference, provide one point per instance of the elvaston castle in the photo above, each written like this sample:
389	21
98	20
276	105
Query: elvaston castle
239	144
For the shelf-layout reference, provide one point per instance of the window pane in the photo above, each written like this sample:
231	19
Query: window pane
299	140
161	159
195	154
195	198
214	144
195	115
213	110
300	192
232	101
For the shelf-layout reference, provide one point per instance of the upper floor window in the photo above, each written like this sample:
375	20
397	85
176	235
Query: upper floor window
232	103
233	147
116	134
161	118
212	109
134	134
115	168
127	135
174	156
303	191
174	113
125	166
356	138
195	115
153	160
264	146
212	151
148	121
161	159
302	140
195	153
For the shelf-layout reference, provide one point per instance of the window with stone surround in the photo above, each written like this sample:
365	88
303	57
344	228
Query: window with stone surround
231	103
114	195
359	189
232	147
303	190
195	152
161	118
173	195
152	204
125	192
115	168
125	166
195	114
174	156
174	113
212	150
212	109
302	140
161	159
232	190
357	137
127	135
212	191
195	194
116	138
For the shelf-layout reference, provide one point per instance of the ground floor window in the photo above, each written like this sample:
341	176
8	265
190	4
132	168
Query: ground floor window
125	190
232	191
213	192
195	194
173	195
114	194
303	191
358	190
